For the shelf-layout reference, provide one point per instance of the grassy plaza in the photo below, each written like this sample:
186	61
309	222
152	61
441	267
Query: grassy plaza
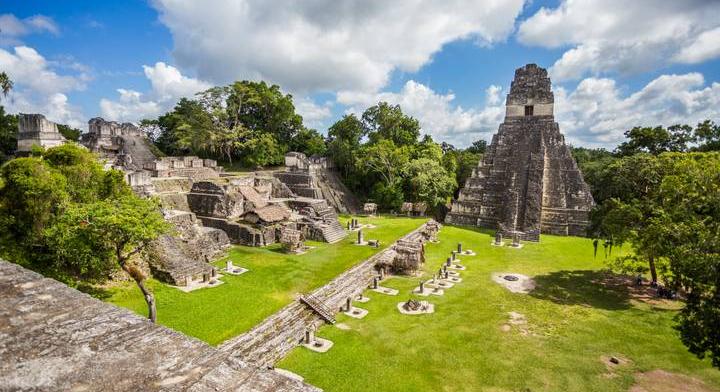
573	323
274	278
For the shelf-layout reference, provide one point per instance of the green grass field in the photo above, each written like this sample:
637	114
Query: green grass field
573	320
220	313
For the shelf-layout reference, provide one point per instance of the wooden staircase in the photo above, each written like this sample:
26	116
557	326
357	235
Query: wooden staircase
318	307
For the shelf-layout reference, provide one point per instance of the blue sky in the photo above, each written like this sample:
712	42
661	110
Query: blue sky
614	64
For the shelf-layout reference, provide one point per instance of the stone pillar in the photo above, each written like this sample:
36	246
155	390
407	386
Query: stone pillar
452	256
188	281
448	262
309	336
422	286
516	241
360	237
348	304
213	272
375	282
206	278
498	238
459	247
349	226
229	266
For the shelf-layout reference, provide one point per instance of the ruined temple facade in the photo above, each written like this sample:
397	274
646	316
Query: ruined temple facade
527	182
36	130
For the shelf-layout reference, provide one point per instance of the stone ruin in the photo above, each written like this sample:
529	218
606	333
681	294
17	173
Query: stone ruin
183	257
414	209
409	257
316	177
252	210
370	208
36	130
528	181
55	338
126	147
432	228
292	240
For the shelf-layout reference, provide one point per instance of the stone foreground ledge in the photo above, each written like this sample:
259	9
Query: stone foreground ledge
55	338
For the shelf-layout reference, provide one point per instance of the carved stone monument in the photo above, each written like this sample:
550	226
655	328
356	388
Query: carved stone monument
527	181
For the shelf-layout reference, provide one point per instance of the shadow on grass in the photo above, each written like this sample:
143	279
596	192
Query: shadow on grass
95	291
584	287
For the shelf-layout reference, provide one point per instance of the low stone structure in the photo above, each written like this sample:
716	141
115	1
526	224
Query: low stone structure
185	166
527	181
55	338
370	208
182	258
292	240
409	256
36	130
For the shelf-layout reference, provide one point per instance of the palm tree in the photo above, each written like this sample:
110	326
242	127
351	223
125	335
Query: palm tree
5	84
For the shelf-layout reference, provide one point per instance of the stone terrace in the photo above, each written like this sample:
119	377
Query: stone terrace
55	338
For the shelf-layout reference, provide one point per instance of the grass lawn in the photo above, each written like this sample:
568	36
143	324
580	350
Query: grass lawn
572	321
220	313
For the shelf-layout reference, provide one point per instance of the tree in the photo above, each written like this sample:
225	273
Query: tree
429	182
478	147
91	238
309	141
656	140
263	108
707	135
385	160
387	122
8	135
5	84
69	133
344	143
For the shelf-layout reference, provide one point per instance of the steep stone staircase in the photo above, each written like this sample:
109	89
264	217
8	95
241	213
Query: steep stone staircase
331	228
336	193
136	147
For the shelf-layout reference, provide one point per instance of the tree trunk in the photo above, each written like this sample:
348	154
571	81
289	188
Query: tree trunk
149	297
653	271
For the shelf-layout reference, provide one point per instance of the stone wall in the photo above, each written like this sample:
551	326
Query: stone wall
55	338
277	335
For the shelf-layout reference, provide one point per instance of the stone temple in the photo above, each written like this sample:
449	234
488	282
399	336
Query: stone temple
527	182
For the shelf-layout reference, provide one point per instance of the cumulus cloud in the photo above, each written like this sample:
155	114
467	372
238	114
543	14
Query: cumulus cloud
39	87
325	45
314	115
168	85
596	113
437	113
624	36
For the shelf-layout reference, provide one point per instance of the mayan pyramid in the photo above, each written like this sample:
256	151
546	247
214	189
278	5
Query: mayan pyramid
527	182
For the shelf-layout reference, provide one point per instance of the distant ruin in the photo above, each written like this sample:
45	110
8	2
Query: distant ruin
315	177
527	181
36	130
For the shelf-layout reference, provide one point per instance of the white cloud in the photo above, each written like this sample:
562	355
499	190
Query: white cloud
596	113
437	114
624	36
12	28
705	47
313	114
168	85
325	45
39	88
